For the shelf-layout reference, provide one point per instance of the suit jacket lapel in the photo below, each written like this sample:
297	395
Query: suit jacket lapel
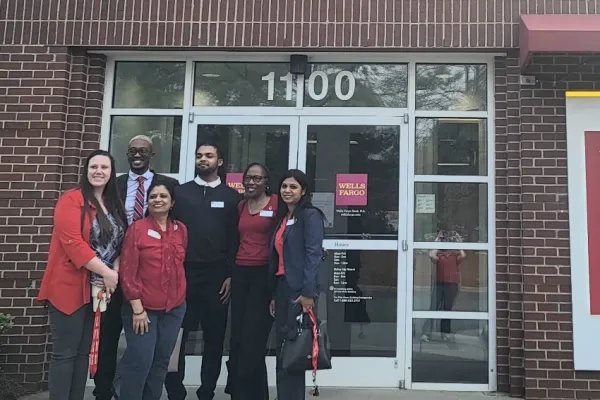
122	187
287	230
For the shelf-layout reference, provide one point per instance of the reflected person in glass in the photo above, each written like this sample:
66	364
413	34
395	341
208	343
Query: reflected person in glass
250	295
296	254
447	281
154	285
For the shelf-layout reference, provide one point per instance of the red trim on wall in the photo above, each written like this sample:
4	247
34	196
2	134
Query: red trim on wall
592	183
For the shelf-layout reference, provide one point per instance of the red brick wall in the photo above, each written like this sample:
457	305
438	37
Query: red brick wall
276	24
535	343
50	113
50	109
509	289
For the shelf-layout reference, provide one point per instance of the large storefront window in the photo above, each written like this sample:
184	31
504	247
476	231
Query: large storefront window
244	84
356	85
149	85
398	156
450	279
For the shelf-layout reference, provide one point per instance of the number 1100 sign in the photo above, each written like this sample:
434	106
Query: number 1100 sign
312	79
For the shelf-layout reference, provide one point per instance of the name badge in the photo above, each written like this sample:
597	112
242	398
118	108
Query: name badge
217	204
153	233
266	213
290	222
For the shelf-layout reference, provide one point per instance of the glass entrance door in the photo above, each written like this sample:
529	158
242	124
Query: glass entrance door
358	171
272	141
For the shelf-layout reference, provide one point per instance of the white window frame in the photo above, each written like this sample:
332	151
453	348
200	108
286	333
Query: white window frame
188	112
490	246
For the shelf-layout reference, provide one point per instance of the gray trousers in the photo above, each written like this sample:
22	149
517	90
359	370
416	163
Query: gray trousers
143	368
71	341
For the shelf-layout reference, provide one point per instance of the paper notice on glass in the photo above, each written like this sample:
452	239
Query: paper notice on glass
325	202
425	204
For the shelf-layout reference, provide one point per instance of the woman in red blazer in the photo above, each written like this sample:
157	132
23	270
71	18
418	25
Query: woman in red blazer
154	286
89	223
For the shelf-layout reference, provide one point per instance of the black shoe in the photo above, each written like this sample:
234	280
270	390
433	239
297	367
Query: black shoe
204	396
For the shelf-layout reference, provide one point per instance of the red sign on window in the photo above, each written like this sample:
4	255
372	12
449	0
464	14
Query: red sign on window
235	181
351	189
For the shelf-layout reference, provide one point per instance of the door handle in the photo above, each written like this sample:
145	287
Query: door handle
404	245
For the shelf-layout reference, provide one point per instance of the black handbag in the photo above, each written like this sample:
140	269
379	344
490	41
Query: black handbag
307	348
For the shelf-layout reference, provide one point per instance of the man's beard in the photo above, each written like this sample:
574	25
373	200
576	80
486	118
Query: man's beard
203	172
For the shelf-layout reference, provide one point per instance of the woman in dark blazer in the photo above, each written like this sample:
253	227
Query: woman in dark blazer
296	253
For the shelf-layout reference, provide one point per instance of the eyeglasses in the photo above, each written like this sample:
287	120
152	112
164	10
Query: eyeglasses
255	178
143	151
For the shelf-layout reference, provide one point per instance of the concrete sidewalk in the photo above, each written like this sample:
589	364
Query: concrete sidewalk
347	394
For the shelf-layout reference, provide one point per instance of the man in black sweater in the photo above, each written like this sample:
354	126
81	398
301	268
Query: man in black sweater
208	208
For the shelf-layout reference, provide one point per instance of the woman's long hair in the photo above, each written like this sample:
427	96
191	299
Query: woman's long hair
110	195
304	202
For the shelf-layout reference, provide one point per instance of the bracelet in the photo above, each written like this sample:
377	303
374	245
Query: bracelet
140	313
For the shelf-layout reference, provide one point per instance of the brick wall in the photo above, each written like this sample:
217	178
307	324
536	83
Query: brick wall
50	111
275	24
535	343
509	287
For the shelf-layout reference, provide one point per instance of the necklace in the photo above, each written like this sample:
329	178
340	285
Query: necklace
259	205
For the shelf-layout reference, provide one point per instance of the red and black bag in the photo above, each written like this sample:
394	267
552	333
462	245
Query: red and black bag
307	348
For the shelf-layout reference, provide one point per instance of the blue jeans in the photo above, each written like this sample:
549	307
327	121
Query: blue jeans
143	368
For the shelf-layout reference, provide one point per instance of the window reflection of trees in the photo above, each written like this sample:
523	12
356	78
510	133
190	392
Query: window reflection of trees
451	87
240	84
376	153
165	132
377	85
460	207
149	85
447	146
242	145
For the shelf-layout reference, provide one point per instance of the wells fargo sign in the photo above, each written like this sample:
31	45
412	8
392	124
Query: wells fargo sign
235	181
351	189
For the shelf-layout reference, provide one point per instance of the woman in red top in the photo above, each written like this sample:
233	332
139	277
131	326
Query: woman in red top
88	228
447	282
250	296
153	281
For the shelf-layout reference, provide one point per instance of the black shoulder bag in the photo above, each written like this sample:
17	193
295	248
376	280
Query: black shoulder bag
308	348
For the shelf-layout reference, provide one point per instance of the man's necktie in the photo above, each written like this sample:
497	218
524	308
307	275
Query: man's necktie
138	207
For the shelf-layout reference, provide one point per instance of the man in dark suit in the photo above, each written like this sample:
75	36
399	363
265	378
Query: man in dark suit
133	191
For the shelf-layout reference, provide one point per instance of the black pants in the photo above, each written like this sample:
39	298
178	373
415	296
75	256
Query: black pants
71	341
204	306
110	332
445	295
250	327
442	299
290	386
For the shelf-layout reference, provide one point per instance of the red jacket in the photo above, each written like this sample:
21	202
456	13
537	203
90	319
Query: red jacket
151	268
66	284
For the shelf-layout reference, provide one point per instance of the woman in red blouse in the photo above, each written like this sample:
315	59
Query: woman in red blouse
153	282
250	295
88	229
